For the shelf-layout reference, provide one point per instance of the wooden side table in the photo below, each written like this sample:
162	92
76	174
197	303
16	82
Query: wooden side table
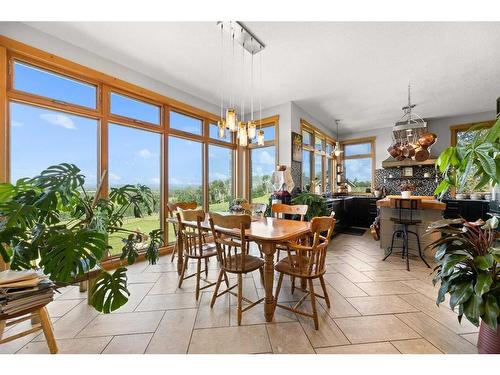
36	313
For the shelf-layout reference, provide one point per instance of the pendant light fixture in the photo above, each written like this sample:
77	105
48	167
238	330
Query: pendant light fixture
245	130
260	133
337	151
231	118
221	124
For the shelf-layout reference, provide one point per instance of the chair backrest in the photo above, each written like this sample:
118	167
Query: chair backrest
231	252
297	209
254	207
192	237
172	209
406	206
311	260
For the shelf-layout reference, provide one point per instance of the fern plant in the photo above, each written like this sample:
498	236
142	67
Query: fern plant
50	222
317	204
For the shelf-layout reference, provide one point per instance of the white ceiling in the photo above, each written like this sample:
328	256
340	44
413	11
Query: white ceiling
356	72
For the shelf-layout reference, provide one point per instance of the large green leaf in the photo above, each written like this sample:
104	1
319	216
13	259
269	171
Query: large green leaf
70	253
64	179
483	262
461	294
483	283
110	291
449	263
491	311
472	309
155	242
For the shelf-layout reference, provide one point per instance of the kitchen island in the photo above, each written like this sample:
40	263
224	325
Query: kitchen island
432	210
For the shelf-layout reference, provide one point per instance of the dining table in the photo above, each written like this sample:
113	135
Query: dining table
266	231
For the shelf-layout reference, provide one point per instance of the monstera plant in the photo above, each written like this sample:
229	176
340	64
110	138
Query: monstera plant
50	222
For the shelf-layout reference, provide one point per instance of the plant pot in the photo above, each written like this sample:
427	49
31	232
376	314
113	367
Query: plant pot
488	341
406	194
461	196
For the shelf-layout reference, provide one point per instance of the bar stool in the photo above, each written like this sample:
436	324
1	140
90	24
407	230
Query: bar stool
406	208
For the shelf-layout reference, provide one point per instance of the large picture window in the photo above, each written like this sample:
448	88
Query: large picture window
40	137
263	164
317	159
185	171
359	161
135	158
220	178
61	113
262	161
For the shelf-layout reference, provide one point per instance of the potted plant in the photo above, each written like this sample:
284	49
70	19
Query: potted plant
468	268
317	204
406	189
467	254
50	222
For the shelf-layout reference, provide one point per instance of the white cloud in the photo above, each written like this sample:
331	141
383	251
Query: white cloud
59	120
218	176
17	124
265	157
145	153
155	180
114	177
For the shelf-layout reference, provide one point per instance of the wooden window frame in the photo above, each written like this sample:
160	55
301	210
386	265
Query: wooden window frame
371	155
325	158
264	123
12	50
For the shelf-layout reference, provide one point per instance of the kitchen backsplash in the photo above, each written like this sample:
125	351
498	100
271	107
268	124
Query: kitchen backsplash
392	178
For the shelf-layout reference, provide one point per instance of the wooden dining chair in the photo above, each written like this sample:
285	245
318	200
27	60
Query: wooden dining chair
279	210
251	208
171	212
195	247
307	263
234	257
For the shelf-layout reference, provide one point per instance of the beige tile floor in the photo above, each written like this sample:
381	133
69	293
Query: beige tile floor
377	307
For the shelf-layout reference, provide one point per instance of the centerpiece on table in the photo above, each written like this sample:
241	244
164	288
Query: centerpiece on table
406	189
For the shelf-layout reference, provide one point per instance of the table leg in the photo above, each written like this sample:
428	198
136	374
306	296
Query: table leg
269	304
180	254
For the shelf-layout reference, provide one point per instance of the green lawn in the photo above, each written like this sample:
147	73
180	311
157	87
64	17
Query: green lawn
149	223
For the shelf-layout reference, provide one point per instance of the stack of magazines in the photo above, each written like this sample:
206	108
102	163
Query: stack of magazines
23	290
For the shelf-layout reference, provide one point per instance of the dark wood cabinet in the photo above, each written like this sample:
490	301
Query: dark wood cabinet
364	212
470	210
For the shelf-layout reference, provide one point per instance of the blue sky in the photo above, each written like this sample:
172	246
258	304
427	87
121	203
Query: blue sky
41	137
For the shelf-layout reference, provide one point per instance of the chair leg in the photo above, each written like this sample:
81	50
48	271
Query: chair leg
405	249
217	286
392	244
293	283
420	254
313	304
206	268
278	287
240	295
174	250
277	255
325	293
181	277
260	250
2	328
198	277
47	330
226	279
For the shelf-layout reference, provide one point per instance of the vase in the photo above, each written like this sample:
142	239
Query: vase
406	194
488	341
